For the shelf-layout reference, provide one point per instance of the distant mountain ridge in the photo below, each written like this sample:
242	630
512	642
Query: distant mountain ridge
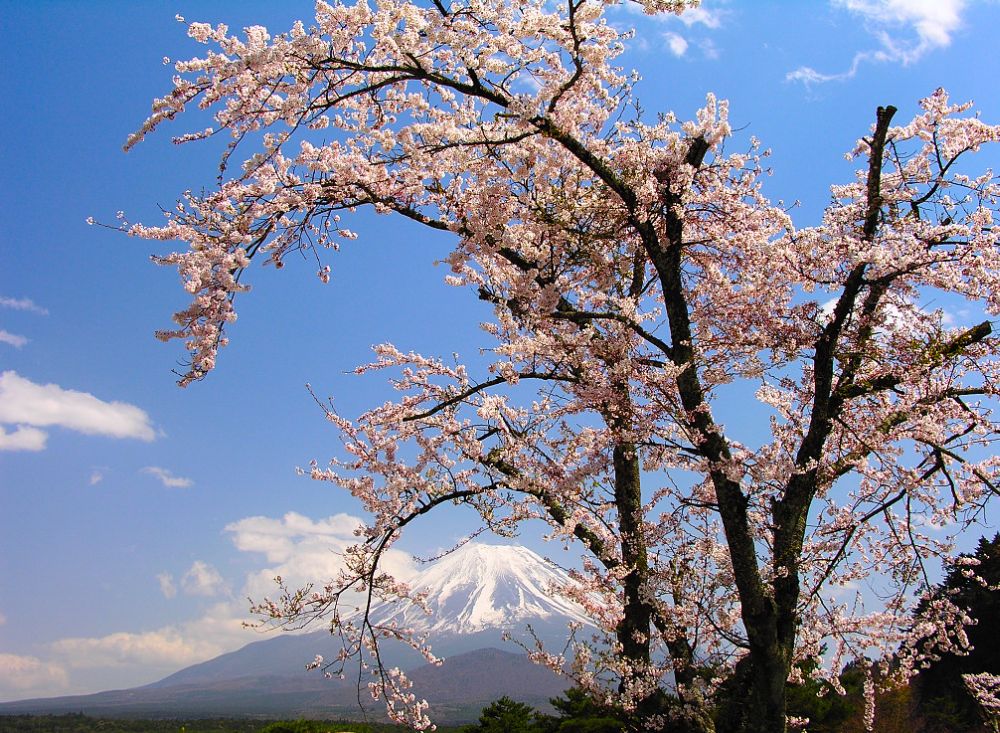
458	690
475	594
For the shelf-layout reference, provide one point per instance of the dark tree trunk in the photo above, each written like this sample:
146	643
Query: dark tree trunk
633	631
636	625
766	703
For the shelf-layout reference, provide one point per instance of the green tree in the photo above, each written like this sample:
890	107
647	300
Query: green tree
578	713
506	716
295	726
942	698
826	709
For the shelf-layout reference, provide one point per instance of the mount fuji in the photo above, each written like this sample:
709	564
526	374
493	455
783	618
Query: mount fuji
475	594
479	587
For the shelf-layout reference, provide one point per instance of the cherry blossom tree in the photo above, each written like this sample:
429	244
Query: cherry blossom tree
637	275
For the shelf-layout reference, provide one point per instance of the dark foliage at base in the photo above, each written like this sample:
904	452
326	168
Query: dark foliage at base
576	713
943	699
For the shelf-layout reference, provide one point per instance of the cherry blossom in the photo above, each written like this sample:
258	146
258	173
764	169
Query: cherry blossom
985	688
635	268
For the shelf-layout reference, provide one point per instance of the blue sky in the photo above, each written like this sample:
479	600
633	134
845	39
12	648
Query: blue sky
135	517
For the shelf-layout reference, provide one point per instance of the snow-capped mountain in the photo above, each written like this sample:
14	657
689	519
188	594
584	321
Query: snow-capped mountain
479	587
473	594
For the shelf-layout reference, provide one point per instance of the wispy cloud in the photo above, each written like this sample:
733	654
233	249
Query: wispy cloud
708	49
30	406
294	546
22	304
676	43
931	23
167	586
167	478
905	29
709	15
6	337
279	539
167	646
300	550
703	15
96	476
21	674
203	580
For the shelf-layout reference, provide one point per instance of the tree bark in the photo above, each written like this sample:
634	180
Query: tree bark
633	631
636	625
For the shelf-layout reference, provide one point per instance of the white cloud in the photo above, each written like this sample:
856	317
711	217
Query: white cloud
6	337
23	438
926	25
96	476
126	659
22	675
710	18
202	579
166	647
933	22
905	316
24	403
676	43
808	76
167	478
294	546
281	539
22	304
167	587
708	49
303	551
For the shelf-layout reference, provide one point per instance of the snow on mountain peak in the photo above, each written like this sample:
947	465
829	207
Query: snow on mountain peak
480	586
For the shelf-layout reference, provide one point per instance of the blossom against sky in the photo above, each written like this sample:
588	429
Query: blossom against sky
136	517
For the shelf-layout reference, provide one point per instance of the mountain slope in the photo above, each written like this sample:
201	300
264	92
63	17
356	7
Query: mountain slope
480	586
458	690
475	594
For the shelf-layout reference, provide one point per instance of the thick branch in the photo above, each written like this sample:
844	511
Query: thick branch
934	358
475	389
790	512
557	512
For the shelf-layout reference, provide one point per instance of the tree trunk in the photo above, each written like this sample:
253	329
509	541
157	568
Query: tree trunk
752	700
634	630
766	704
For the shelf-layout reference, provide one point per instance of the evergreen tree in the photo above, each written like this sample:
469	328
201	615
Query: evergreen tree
943	699
578	713
506	716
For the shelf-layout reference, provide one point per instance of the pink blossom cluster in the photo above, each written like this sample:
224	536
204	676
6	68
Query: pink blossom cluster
985	688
